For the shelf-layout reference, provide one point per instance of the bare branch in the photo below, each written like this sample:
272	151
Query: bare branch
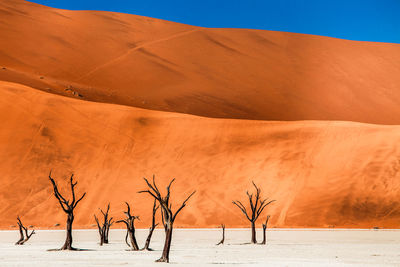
262	207
169	189
183	205
242	208
76	203
98	224
72	188
128	212
155	189
148	191
122	221
59	197
154	184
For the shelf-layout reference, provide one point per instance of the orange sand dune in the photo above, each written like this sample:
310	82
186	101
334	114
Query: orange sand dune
228	73
321	173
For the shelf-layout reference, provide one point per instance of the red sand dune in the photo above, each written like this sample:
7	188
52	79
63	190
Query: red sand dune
344	174
322	173
228	73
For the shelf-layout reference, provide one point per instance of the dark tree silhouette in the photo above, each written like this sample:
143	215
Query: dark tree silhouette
22	228
107	229
265	231
257	206
104	228
130	228
167	215
21	232
152	227
223	235
68	207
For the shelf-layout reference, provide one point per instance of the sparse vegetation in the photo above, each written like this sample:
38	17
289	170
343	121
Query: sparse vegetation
130	228
152	227
223	235
265	225
257	206
68	207
104	228
168	217
23	238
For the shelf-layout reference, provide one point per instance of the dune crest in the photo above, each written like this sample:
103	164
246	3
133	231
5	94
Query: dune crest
225	73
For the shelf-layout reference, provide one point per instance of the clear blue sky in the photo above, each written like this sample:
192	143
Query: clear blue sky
365	20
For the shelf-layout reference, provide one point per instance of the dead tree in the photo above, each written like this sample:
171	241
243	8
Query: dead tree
21	232
223	235
101	230
107	231
265	231
167	215
68	207
152	227
22	228
27	235
257	206
104	228
130	228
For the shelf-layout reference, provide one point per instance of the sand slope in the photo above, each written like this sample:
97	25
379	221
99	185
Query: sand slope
321	173
228	73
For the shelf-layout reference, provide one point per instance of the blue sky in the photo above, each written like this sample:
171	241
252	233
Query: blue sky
364	20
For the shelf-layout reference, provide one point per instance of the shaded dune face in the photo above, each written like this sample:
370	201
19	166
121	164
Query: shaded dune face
322	174
226	73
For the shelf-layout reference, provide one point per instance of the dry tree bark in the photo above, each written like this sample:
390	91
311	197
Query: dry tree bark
101	230
68	207
257	206
152	227
22	228
130	228
265	231
21	232
168	216
104	228
107	229
223	235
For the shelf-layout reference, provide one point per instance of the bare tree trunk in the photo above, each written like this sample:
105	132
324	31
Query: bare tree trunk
265	231
21	235
223	235
107	230
102	237
147	244
167	244
130	227
152	227
101	230
27	236
264	235
22	240
132	238
68	241
253	233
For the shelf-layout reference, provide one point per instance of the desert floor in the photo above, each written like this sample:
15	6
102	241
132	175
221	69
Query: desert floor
195	247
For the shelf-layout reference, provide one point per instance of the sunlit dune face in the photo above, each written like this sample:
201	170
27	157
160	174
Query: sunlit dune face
285	110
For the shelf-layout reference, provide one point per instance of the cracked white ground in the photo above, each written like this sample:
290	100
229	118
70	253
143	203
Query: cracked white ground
196	247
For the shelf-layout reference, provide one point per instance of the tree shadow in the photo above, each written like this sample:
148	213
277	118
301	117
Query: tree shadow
240	244
72	249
